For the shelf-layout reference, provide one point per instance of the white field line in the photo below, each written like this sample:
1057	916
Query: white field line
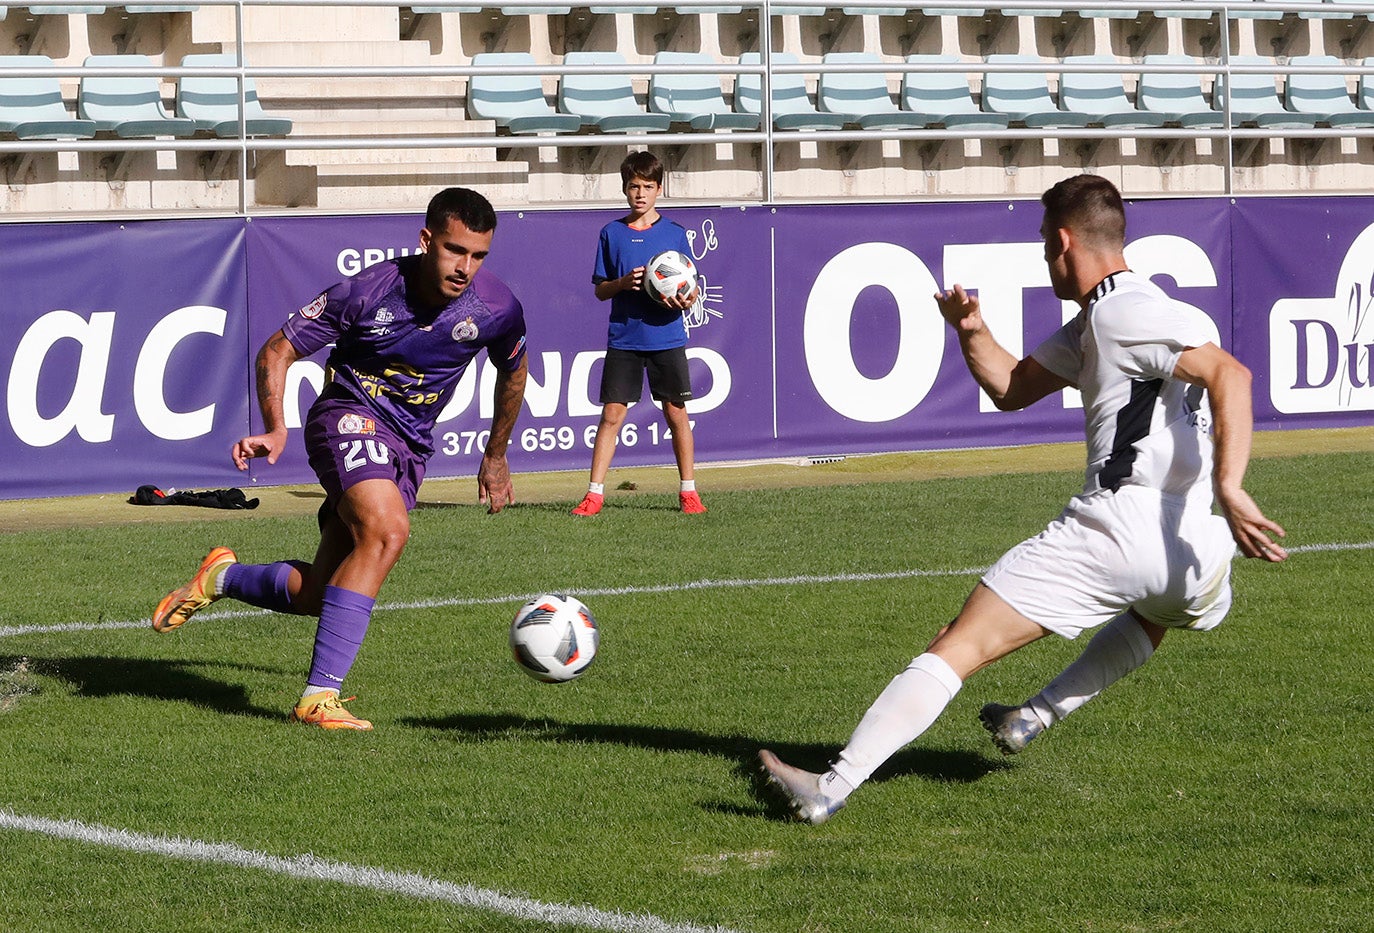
311	868
7	631
10	631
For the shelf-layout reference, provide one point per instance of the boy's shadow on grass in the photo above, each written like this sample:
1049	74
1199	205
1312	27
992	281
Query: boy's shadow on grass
158	680
953	766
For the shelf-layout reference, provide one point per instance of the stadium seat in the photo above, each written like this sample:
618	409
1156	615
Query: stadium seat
1176	95
1253	9
1338	13
862	97
951	11
873	11
1325	95
612	10
515	102
66	10
213	102
792	107
605	101
696	98
1255	99
422	10
707	10
943	98
32	108
1111	12
1024	96
130	106
1185	14
798	10
1364	93
143	10
1101	95
535	10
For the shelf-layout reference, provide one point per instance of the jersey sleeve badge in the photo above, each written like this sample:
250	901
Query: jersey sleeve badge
315	308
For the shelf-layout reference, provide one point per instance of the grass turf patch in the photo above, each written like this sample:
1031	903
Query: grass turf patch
1224	786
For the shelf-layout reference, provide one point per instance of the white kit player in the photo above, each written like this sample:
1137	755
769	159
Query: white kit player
1139	549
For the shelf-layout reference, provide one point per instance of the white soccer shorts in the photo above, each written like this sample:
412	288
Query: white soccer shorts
1109	552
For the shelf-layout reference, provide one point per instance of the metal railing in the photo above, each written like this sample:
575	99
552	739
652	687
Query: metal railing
768	137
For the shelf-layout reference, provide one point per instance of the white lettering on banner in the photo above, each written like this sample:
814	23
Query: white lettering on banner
825	332
352	261
1321	350
150	403
82	410
298	372
581	400
542	398
1176	257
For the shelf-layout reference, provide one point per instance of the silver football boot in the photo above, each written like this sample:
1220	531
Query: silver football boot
801	790
1012	727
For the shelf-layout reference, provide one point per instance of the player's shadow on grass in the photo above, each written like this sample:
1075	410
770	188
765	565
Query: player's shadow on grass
955	766
178	681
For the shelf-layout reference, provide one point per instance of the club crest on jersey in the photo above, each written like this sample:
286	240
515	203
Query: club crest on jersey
465	331
357	424
315	308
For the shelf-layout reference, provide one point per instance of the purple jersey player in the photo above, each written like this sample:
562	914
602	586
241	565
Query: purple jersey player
404	333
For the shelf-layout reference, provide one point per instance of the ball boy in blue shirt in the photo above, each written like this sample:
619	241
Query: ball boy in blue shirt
643	336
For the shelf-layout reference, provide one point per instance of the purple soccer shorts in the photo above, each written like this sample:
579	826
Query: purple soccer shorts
347	445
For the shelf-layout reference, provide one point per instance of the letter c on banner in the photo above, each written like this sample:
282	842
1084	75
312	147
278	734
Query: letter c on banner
157	416
825	332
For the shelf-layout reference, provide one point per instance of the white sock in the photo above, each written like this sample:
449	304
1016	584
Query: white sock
598	488
905	709
312	689
688	485
1118	648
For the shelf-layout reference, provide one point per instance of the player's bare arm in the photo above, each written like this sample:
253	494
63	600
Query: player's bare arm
628	282
1227	381
274	359
494	487
1012	384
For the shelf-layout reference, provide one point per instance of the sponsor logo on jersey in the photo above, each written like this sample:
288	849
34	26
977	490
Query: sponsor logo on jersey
384	316
357	424
315	308
465	331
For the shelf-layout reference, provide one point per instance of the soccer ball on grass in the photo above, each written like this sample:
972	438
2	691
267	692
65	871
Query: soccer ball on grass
554	638
670	274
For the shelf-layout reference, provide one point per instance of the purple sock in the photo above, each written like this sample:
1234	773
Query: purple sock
343	623
261	585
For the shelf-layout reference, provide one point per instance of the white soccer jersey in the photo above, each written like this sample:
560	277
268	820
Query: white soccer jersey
1144	427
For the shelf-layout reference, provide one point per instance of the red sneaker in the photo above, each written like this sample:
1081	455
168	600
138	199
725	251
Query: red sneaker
691	503
591	504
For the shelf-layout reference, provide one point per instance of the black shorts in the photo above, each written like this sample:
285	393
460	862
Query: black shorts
622	376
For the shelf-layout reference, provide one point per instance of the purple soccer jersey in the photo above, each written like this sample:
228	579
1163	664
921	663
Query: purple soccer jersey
402	362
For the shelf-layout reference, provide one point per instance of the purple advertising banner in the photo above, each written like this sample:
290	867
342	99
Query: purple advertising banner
124	349
129	347
1303	293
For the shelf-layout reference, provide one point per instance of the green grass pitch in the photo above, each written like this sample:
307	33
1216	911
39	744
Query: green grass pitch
1226	786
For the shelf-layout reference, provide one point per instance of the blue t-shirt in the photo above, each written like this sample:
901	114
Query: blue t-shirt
401	361
637	323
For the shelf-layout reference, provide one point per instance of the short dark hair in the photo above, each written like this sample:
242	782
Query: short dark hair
1089	205
641	165
470	208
